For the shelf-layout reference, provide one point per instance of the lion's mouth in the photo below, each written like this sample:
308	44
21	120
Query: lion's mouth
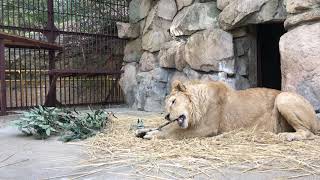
181	120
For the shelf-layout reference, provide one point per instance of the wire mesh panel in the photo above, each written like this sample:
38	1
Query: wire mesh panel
86	29
26	69
26	77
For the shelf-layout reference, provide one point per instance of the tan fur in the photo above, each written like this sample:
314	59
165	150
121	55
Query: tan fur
212	108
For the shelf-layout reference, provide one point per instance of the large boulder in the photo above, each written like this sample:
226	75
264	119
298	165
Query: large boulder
241	82
160	74
300	62
167	54
242	65
236	82
142	24
151	90
211	50
180	58
192	74
133	51
242	45
167	9
221	4
138	9
177	75
143	81
198	16
243	12
183	3
298	6
154	22
128	82
239	32
172	55
221	76
148	62
152	40
308	16
187	74
128	30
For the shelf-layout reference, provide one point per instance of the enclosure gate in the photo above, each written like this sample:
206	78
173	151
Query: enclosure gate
87	69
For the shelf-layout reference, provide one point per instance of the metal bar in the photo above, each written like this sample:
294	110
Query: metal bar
2	13
77	72
10	83
30	77
15	79
20	68
25	77
40	78
3	98
18	41
52	97
36	77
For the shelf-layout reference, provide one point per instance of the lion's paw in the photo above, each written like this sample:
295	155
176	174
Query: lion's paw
286	136
141	133
151	135
296	136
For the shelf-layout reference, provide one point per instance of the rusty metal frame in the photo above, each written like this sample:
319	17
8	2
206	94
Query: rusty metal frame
54	73
22	42
3	98
7	40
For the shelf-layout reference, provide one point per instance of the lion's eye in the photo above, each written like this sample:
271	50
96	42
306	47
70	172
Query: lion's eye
173	101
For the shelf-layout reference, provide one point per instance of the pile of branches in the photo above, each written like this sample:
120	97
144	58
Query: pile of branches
43	122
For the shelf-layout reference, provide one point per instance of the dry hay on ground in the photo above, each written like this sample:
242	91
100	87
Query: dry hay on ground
199	156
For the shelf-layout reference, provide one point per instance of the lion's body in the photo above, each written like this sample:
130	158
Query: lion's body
213	108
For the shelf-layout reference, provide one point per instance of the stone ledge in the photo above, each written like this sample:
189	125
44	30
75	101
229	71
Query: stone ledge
306	17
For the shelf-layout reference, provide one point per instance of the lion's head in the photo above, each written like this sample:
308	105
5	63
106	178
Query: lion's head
178	105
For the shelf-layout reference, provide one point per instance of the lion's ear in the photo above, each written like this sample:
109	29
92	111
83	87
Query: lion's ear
178	86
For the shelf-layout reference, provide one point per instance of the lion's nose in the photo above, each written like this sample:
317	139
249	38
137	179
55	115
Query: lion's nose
167	117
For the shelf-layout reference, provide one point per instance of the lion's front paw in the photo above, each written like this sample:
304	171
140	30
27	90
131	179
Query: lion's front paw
295	136
151	135
146	133
286	136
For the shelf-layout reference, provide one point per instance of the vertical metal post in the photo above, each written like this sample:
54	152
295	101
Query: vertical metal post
51	36
3	98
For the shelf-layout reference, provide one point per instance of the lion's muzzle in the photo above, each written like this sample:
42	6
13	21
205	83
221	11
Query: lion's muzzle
167	117
181	121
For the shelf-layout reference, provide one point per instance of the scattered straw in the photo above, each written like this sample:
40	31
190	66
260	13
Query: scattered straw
183	159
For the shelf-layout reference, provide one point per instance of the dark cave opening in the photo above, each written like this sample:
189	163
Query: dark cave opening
268	55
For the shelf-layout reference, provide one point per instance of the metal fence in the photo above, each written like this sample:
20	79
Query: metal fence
86	71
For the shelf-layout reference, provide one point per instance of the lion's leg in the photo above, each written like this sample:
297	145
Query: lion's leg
153	133
298	113
175	132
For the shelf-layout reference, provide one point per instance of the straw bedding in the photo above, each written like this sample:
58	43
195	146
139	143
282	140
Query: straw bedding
198	157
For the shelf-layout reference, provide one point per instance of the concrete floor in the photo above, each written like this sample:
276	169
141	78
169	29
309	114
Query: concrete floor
24	158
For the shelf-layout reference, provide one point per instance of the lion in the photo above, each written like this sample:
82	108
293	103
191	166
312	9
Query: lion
205	109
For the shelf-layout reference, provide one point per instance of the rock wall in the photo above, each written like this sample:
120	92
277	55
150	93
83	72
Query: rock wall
212	40
300	50
299	47
177	39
